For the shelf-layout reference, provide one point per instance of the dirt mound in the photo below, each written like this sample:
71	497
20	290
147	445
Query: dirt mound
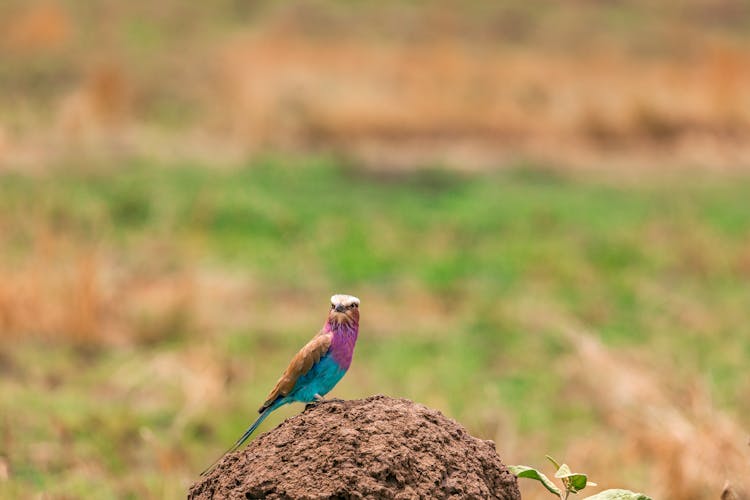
377	447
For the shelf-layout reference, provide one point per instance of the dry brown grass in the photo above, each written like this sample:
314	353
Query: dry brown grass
694	448
289	91
67	291
98	111
41	27
445	95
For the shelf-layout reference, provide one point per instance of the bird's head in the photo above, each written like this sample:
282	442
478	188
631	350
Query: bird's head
344	309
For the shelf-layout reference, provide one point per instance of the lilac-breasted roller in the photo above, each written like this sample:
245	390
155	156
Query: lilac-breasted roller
317	367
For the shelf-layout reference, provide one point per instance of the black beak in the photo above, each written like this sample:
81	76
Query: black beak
340	308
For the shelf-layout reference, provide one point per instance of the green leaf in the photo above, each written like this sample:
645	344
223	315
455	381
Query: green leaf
531	473
554	462
563	471
574	481
618	495
579	481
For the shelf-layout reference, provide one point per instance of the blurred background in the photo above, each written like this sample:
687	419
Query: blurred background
544	207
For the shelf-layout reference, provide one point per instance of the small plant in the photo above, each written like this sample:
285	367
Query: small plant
572	482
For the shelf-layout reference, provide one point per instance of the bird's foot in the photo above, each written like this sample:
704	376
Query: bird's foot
319	400
315	402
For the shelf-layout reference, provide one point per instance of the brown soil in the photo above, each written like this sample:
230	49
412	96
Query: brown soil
377	447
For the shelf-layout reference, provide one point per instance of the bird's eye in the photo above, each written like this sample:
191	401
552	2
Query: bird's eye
333	306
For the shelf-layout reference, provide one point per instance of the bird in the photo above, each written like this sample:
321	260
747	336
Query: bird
316	368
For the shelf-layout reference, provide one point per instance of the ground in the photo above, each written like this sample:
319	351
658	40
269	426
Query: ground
377	447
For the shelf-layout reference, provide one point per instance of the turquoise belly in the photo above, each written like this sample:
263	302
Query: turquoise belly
321	378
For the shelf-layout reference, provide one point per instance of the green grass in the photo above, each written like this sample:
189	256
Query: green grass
616	257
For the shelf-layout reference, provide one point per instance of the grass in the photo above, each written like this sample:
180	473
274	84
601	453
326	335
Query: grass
469	87
147	305
202	283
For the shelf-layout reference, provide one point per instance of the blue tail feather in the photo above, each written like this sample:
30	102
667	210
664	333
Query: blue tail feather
248	432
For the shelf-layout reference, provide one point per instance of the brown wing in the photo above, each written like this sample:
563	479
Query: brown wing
301	364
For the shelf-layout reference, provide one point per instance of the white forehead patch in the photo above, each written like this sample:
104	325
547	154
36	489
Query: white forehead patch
344	300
